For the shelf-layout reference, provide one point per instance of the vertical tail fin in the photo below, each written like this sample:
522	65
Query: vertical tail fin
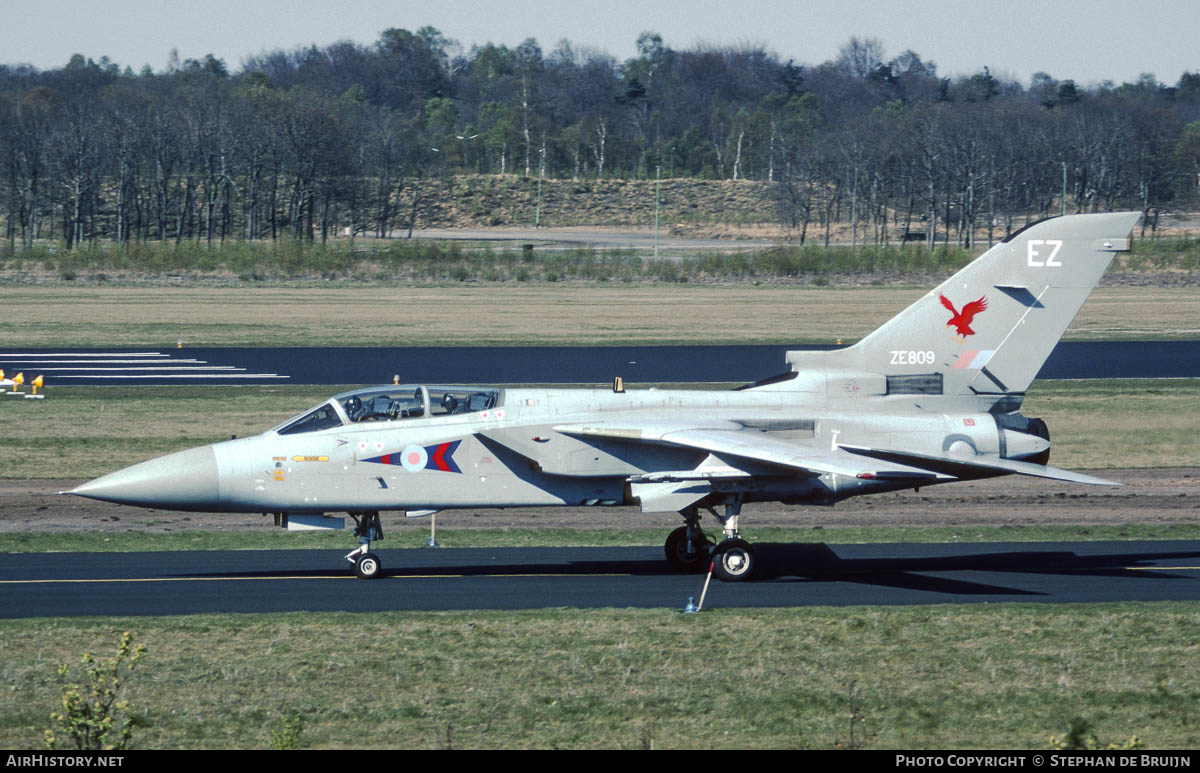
988	329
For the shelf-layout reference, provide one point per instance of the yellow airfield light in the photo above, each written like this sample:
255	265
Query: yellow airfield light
37	383
18	380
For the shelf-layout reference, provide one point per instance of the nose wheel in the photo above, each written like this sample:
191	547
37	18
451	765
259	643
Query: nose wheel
368	566
734	560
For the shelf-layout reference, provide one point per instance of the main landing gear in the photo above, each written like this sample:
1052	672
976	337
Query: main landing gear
689	550
367	565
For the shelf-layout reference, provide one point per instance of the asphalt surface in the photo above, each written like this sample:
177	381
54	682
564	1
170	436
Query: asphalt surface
76	584
522	365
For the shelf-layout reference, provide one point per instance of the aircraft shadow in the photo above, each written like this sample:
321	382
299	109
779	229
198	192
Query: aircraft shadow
819	562
806	562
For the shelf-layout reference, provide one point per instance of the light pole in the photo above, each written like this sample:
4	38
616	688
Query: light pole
657	178
1063	205
537	218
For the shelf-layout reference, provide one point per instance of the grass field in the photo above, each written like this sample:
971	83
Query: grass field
547	314
415	536
934	677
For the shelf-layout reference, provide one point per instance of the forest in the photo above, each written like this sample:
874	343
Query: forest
356	138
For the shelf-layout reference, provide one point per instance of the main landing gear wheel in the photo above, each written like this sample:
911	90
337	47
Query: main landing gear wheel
734	560
368	566
680	557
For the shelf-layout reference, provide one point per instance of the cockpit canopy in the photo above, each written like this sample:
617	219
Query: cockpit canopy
392	403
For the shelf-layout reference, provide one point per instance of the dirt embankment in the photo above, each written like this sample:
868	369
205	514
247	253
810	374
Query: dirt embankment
688	207
684	204
1148	496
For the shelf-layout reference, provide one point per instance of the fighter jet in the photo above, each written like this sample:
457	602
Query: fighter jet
933	396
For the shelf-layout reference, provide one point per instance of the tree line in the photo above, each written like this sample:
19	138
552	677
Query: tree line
305	143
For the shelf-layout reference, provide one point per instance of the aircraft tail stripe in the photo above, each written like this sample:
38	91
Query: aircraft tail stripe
981	359
973	359
964	360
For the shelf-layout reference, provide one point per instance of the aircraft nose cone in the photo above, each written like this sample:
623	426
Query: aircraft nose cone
186	480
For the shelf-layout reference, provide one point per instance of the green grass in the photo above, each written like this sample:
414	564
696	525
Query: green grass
87	431
1119	422
940	677
441	261
414	536
369	260
1168	254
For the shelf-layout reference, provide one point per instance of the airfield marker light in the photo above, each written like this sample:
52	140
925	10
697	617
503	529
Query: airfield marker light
692	608
396	379
179	343
18	380
618	385
36	383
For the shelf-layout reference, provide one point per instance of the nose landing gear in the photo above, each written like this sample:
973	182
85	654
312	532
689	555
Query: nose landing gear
367	565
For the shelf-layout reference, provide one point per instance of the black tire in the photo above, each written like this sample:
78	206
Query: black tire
676	550
368	566
734	560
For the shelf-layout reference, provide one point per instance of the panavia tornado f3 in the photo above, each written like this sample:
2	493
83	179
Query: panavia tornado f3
933	396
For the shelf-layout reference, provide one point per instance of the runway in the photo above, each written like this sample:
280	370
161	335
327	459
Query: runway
523	364
793	575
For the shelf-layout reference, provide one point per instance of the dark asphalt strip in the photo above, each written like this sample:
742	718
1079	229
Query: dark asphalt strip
165	583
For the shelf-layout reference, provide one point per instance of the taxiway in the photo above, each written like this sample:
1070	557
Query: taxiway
165	583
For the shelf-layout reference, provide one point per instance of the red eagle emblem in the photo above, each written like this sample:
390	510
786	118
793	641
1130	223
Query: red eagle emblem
961	321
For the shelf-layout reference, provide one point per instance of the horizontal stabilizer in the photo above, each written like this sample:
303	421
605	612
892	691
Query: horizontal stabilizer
969	467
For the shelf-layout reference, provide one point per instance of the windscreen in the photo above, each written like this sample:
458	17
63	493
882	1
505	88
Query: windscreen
322	417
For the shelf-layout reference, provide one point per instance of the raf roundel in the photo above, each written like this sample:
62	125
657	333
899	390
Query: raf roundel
414	458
